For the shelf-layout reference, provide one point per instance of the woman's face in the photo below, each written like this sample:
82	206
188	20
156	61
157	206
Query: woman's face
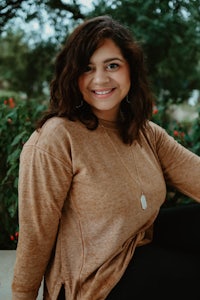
106	81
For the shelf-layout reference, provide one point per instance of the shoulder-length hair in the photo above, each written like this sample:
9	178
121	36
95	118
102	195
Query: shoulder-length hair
73	60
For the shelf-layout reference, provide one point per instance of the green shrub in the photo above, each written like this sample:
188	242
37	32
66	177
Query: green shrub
17	121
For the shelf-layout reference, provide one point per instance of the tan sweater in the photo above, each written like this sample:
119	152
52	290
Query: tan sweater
79	205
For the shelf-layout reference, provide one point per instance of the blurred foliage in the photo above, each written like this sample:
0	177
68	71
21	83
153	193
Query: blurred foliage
29	10
17	119
25	68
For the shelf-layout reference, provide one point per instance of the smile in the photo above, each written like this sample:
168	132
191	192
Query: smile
103	92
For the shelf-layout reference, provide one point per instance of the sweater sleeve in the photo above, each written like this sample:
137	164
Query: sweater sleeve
44	181
181	167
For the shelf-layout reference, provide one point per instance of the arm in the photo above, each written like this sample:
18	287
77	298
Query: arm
180	166
44	181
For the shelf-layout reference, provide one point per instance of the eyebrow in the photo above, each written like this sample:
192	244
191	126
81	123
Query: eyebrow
112	58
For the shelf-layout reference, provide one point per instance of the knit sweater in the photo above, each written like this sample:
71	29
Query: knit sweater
80	210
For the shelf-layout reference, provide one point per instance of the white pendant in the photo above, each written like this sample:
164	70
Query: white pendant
143	201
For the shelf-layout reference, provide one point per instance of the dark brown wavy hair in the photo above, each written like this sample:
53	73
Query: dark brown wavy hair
73	60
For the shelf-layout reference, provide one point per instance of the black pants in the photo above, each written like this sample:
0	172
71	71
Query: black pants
169	267
158	273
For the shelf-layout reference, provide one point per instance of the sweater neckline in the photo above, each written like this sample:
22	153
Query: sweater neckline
108	124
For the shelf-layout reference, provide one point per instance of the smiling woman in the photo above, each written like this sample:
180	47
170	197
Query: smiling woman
93	175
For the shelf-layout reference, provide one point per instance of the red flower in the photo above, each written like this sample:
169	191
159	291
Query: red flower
11	102
155	111
176	133
12	238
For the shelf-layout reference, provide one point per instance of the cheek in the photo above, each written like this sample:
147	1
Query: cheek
125	79
128	77
126	82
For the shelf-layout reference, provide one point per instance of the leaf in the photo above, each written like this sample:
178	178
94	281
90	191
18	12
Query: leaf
18	138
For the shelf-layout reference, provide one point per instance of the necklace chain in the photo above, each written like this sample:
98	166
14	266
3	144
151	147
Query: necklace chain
137	179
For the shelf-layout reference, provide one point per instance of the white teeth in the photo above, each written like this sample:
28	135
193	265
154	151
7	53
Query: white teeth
102	92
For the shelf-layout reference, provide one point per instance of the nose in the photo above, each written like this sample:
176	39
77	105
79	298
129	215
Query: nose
100	76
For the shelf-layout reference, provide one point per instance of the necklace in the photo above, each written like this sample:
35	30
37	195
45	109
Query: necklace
137	179
143	200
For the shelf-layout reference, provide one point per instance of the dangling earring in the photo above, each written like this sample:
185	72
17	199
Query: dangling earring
127	100
80	105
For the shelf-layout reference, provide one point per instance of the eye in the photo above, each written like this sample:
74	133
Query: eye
113	66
